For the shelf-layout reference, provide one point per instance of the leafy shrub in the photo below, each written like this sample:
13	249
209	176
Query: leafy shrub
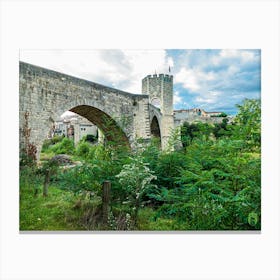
50	142
248	123
222	129
168	168
83	149
136	180
217	183
81	178
66	146
30	179
195	130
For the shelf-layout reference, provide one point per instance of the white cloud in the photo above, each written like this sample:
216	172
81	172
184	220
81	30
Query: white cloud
204	100
188	78
229	53
209	97
170	62
232	69
244	56
193	79
177	99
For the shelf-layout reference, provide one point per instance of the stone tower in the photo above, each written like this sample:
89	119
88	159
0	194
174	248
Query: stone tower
160	91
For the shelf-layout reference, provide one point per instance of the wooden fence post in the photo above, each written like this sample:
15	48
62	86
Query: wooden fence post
106	190
46	182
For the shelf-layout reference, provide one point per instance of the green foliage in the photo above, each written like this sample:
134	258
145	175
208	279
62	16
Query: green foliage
50	142
30	178
168	168
84	177
91	138
213	183
248	122
195	130
188	132
58	145
136	178
222	115
66	146
222	129
152	152
223	181
98	153
253	218
34	213
83	149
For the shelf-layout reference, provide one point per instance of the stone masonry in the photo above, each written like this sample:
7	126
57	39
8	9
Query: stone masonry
46	94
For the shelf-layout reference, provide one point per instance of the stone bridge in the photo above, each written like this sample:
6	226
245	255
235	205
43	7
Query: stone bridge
44	95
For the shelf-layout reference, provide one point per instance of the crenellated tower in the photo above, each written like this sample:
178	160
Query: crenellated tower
160	91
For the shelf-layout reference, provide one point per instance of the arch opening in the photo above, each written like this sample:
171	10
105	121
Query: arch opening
82	122
155	129
108	126
75	127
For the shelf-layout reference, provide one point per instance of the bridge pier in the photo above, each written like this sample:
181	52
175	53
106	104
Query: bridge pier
101	137
76	133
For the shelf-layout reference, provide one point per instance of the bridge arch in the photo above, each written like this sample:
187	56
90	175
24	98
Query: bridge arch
111	130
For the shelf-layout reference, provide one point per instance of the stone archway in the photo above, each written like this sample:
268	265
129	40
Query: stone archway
155	128
104	122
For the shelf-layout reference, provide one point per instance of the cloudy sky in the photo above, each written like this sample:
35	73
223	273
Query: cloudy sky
214	80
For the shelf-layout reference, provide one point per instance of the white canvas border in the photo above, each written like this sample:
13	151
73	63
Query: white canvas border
136	25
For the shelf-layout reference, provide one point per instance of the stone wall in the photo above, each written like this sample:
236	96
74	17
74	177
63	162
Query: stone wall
46	94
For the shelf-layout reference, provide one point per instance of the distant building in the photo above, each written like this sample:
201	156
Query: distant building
75	127
194	115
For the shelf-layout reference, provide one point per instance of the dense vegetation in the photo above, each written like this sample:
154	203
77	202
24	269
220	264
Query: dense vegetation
213	182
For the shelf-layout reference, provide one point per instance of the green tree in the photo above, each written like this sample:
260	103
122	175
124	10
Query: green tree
136	178
222	129
221	185
83	149
248	122
66	146
168	168
195	130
